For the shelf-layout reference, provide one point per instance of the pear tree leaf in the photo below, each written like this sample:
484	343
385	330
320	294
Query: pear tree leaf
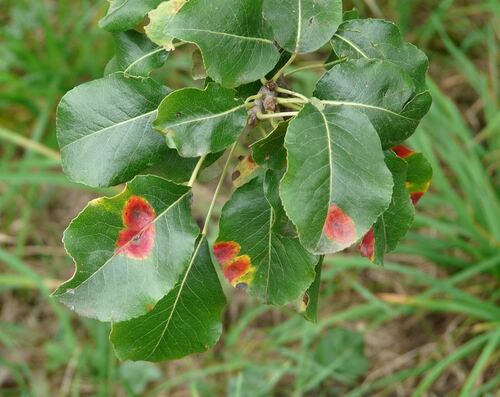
302	26
159	19
126	14
269	151
186	321
135	54
380	89
104	129
379	39
129	249
235	40
309	306
337	183
254	255
197	122
395	222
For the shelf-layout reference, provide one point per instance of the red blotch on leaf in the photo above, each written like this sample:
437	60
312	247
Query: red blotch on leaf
136	240
238	270
415	197
339	227
402	151
226	251
367	246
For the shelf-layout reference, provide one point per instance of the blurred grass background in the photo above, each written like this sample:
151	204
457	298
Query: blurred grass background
427	324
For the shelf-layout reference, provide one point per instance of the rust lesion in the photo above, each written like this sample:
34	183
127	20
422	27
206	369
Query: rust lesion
339	227
237	269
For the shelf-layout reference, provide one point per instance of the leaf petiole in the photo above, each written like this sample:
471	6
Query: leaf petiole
315	66
292	93
262	116
281	71
196	171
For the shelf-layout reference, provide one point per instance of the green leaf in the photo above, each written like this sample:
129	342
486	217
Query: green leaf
235	40
350	14
337	183
129	249
303	26
254	255
395	222
378	39
136	54
159	20
419	175
197	122
311	297
104	129
270	151
126	14
381	90
187	320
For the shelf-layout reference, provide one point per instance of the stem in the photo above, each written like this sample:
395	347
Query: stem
290	100
315	66
262	116
197	169
217	190
292	106
293	93
280	72
252	98
29	144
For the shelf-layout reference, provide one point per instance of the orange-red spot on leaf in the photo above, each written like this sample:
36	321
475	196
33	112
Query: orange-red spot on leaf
415	197
226	251
339	227
402	151
238	270
136	240
367	245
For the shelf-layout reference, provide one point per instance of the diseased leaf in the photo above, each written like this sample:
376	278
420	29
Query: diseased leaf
198	71
104	129
126	14
270	151
395	222
381	90
197	122
136	54
235	40
159	19
378	39
303	26
419	175
253	255
337	183
129	249
245	170
311	297
186	321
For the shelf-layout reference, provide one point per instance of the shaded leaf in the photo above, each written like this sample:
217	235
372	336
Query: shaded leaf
311	297
104	129
136	54
129	249
253	255
187	320
197	122
303	26
395	222
235	40
126	14
381	90
336	184
270	151
378	39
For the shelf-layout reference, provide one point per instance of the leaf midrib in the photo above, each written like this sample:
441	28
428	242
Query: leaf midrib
131	120
364	105
213	116
258	39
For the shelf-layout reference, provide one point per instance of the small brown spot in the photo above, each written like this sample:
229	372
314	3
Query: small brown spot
236	175
178	114
150	307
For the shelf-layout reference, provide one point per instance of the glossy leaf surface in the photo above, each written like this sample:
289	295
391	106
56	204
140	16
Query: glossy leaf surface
381	90
337	183
104	129
254	254
378	39
187	320
126	14
129	249
235	40
197	122
303	26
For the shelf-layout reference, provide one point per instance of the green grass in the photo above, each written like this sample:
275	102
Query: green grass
430	318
